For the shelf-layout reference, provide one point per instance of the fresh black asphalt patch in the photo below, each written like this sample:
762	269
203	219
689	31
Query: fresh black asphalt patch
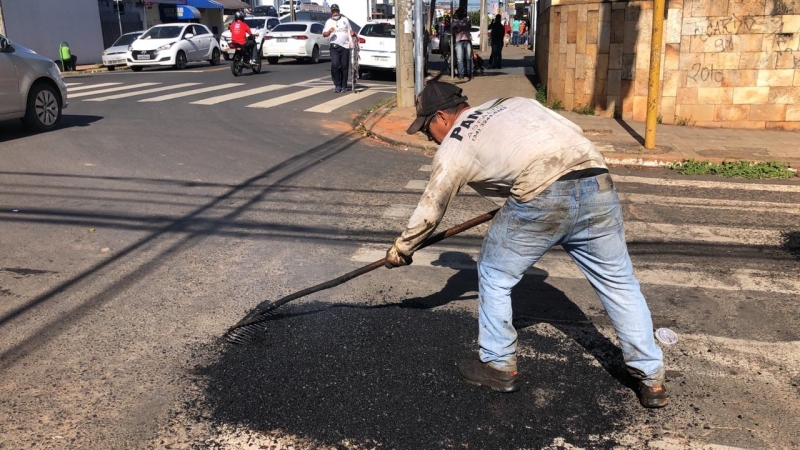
385	376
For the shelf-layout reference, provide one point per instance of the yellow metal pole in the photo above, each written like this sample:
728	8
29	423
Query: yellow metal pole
655	72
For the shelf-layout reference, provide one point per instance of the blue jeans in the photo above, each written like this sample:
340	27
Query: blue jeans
464	58
584	217
515	38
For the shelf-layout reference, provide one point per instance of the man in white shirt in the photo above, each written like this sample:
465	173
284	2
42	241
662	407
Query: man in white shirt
338	29
555	189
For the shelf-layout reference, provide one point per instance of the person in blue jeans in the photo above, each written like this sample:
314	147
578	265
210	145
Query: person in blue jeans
463	45
554	189
515	32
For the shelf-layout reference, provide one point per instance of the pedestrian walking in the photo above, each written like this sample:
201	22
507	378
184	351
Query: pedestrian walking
515	32
497	31
507	39
559	192
339	31
523	37
461	29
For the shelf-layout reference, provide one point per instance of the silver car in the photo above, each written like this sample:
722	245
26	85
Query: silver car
31	87
115	55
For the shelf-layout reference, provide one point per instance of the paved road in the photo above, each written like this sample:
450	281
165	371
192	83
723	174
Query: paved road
134	236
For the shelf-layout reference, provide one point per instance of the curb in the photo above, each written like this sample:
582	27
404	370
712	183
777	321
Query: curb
76	73
651	162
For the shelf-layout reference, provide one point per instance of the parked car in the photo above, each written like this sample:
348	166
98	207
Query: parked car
475	36
260	27
284	8
265	11
301	40
376	40
31	87
174	44
115	55
377	47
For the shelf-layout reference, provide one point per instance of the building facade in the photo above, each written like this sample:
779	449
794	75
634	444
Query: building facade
725	63
42	25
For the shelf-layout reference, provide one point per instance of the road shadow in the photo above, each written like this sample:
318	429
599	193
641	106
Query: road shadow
385	377
791	242
13	129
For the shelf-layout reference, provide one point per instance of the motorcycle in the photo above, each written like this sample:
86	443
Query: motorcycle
242	59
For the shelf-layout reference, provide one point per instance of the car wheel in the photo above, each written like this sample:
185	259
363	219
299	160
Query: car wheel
315	55
111	68
214	57
180	60
43	111
272	60
360	73
136	68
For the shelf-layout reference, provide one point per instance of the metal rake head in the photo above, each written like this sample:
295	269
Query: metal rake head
251	328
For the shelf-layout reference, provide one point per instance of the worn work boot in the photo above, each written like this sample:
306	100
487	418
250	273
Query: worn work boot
482	374
652	396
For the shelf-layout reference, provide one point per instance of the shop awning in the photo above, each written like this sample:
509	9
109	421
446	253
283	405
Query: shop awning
233	4
204	4
185	12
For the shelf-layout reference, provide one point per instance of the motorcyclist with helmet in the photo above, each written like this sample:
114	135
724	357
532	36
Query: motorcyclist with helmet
239	33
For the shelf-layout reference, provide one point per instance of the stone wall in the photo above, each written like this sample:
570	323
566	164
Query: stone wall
726	63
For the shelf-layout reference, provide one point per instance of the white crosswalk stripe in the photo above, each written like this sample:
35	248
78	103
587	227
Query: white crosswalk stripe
191	92
241	94
707	184
93	86
142	92
112	89
309	88
339	102
72	84
557	264
705	203
287	98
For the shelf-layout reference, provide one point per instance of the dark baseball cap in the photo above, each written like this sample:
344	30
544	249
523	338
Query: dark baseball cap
435	96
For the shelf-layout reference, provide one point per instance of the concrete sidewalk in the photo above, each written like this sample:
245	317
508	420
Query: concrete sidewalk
620	141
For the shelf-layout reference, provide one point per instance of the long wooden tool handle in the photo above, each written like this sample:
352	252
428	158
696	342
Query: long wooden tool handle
380	263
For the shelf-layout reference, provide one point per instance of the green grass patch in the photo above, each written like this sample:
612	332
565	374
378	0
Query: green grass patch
557	105
541	94
584	110
734	169
683	121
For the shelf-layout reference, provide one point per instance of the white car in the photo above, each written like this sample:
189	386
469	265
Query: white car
31	87
174	44
475	37
115	55
376	41
260	26
377	47
301	40
284	8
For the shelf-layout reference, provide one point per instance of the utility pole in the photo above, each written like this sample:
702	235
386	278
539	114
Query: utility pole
119	19
292	15
405	55
484	27
419	48
655	72
2	21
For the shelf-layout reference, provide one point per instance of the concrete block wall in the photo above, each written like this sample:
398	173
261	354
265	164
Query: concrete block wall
725	63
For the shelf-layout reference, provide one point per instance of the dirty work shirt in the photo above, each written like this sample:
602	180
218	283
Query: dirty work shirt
480	151
341	33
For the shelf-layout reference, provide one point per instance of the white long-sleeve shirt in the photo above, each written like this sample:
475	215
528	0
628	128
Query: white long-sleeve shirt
513	146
